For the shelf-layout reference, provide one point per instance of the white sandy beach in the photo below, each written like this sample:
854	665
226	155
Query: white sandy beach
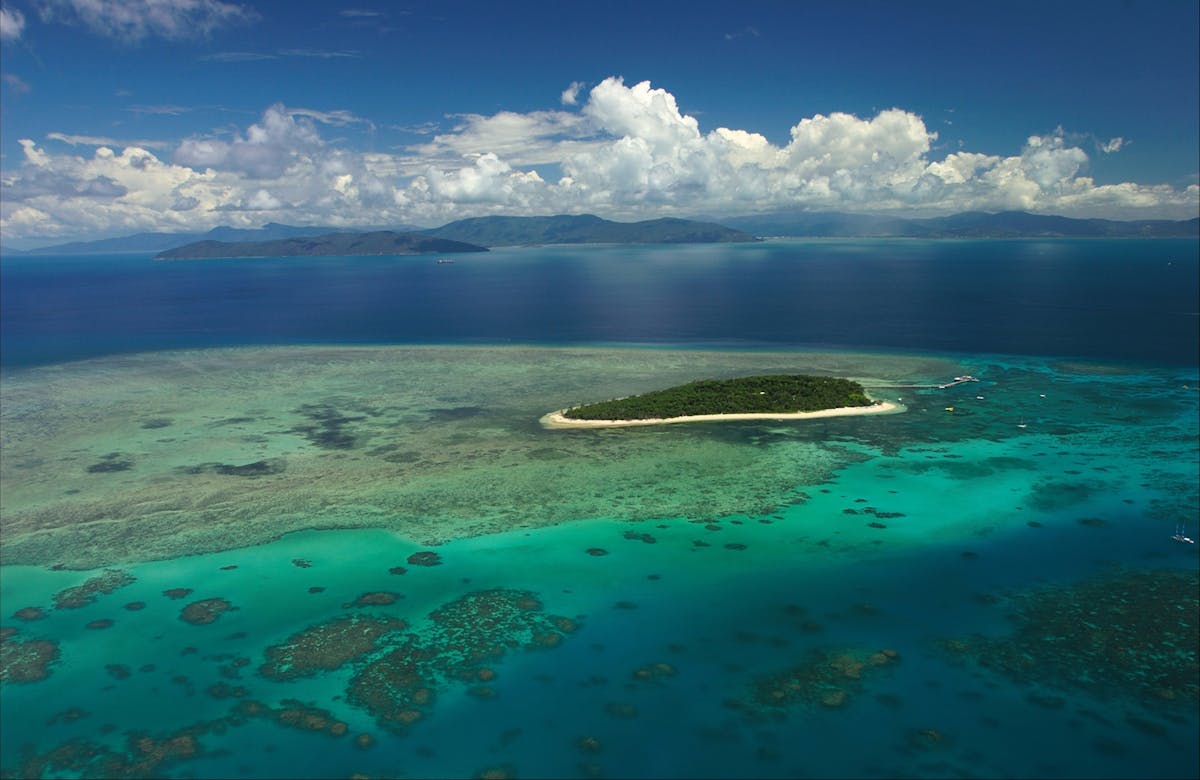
559	420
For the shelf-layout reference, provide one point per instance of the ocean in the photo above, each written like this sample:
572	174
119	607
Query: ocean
297	517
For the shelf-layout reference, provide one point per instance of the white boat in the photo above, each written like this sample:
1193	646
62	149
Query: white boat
445	261
1180	537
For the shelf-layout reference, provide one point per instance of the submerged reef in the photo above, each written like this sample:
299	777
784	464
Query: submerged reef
205	611
313	449
825	678
327	646
82	595
459	643
1134	634
25	660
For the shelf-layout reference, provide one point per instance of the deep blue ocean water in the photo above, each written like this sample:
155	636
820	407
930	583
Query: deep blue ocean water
1061	474
1123	299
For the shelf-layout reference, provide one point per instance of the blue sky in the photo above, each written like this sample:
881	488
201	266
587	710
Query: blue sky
120	116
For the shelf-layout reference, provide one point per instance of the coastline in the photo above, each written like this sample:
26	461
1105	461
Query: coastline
556	420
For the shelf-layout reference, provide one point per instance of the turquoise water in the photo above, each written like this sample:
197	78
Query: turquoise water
987	591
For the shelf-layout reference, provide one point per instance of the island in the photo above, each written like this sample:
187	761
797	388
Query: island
771	397
586	229
381	242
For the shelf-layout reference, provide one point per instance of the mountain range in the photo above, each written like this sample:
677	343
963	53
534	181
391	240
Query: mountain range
587	229
967	224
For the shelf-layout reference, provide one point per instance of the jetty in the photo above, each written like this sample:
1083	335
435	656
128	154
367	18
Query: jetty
958	380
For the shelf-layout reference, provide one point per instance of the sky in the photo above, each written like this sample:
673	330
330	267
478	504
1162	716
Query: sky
124	116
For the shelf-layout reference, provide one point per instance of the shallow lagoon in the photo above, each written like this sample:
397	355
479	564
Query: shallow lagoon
718	591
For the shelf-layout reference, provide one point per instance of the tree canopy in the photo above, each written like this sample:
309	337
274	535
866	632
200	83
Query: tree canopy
777	393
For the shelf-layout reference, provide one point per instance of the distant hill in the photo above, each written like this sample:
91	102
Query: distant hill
968	224
158	242
588	229
584	229
383	242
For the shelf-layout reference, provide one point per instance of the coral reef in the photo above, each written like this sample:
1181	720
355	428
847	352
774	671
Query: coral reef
326	646
387	687
82	595
1132	633
460	642
205	611
26	660
378	598
827	678
29	614
425	558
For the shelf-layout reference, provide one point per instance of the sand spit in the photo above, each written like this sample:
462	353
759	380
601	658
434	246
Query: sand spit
559	420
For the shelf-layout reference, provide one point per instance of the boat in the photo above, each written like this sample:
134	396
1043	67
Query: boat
445	261
1180	537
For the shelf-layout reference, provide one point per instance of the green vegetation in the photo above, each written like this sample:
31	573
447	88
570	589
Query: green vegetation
775	394
380	242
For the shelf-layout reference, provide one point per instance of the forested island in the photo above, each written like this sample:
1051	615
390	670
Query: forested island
382	242
772	394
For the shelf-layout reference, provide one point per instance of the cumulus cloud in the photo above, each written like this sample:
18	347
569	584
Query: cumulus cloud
628	152
266	150
132	21
12	24
1114	145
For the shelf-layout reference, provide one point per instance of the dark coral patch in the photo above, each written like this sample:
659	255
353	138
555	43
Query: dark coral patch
378	598
326	646
110	463
177	593
425	558
82	595
205	611
100	624
1133	634
397	570
597	552
26	661
118	671
29	614
135	606
327	427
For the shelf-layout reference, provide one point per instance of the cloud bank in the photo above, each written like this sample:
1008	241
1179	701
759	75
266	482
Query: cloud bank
627	152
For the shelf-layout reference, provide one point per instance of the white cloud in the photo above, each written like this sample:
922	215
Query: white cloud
266	151
1114	145
12	24
521	139
570	95
132	21
96	140
627	153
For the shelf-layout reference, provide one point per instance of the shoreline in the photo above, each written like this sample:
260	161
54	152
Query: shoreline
557	420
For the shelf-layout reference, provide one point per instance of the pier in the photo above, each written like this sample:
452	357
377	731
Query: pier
958	380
